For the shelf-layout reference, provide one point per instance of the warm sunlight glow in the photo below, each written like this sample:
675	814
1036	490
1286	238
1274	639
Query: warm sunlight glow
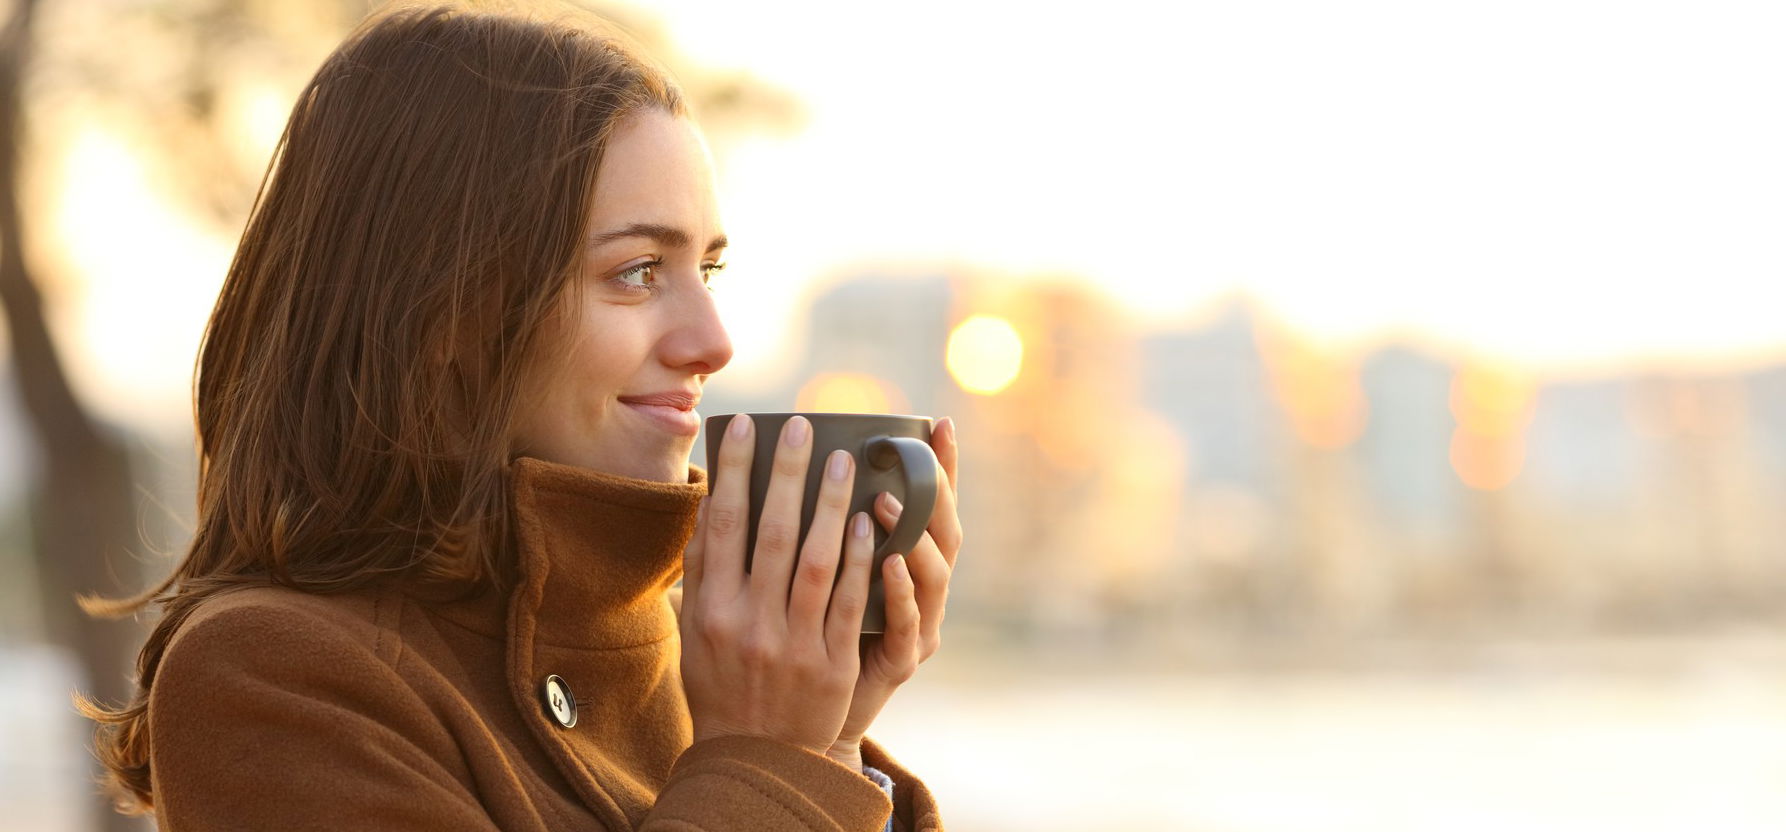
1318	390
985	354
258	114
1491	402
850	393
1492	406
145	279
1486	464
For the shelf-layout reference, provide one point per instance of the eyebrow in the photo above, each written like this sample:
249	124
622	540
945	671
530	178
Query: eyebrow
672	237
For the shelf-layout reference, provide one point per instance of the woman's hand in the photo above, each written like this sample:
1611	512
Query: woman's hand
761	657
914	611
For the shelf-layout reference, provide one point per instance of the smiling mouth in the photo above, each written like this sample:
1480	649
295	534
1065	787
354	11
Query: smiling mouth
669	417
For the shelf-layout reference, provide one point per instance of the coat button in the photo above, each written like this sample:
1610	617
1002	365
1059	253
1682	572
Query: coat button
559	701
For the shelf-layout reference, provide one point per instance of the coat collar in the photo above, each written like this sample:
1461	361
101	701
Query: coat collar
595	555
598	554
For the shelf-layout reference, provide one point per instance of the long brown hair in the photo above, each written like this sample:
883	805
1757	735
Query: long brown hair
385	313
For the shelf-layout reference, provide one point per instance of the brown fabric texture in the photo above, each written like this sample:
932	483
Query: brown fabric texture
280	709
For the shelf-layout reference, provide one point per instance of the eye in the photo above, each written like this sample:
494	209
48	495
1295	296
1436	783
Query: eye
646	270
708	270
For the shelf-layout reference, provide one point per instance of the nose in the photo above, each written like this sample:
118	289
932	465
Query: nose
697	342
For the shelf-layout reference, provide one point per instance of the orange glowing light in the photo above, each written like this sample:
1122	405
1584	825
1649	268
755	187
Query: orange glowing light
850	393
1319	392
985	354
1491	402
1486	463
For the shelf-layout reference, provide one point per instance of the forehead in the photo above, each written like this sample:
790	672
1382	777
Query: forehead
655	168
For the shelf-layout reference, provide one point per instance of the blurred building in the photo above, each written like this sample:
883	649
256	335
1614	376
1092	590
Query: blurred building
888	331
1232	478
1071	484
1088	478
1211	385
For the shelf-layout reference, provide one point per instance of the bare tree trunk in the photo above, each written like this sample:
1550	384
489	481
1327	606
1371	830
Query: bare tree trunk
82	508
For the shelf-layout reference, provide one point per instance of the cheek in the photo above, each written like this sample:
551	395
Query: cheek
606	360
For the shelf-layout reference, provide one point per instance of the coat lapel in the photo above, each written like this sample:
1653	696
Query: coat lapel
596	555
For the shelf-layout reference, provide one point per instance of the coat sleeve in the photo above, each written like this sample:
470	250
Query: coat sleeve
914	807
747	782
263	717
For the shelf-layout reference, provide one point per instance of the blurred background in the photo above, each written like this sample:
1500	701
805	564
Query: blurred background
1373	414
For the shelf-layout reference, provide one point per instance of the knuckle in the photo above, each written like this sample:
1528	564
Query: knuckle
811	664
840	679
848	604
723	520
835	500
835	495
790	463
717	626
776	535
815	572
760	650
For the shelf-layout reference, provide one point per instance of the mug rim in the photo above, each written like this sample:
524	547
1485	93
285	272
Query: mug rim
825	415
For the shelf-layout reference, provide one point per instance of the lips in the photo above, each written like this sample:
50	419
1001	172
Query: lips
676	415
680	401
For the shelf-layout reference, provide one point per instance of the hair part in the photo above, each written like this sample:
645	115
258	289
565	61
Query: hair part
389	305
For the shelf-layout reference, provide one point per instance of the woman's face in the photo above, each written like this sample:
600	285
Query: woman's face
640	319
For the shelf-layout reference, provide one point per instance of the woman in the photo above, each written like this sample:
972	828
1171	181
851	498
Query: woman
443	500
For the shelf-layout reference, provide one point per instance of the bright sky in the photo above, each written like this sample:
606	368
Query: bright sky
1559	182
1562	183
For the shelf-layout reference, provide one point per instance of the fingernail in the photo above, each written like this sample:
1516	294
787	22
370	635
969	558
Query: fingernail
950	422
840	464
796	432
740	426
893	503
860	526
899	567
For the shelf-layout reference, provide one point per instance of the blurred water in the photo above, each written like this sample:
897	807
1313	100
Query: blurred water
1539	742
1615	735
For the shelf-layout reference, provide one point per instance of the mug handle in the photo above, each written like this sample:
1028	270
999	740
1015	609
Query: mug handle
918	462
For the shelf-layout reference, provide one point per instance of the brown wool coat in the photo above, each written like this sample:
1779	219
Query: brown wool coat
278	709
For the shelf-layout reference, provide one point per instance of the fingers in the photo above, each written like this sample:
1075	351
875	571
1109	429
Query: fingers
898	657
931	571
728	513
942	440
944	529
849	599
693	563
815	575
945	521
772	564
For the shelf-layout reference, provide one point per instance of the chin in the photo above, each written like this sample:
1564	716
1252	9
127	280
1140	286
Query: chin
671	469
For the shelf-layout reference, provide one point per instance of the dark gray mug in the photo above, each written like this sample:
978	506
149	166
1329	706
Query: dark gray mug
892	453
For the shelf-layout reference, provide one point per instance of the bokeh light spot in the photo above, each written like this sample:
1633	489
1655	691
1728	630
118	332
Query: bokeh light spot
985	354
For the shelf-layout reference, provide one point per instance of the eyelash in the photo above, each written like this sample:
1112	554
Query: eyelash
708	270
